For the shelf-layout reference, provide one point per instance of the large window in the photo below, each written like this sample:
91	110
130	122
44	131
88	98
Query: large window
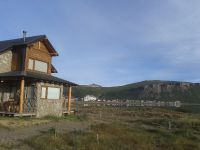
41	66
37	65
53	93
50	93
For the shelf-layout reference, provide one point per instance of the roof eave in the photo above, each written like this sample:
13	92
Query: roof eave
50	46
37	77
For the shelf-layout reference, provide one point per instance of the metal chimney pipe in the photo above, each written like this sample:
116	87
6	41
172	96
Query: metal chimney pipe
24	36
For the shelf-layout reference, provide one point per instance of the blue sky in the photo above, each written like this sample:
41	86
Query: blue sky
112	42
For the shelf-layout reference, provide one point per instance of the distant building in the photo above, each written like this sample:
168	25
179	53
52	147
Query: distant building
89	98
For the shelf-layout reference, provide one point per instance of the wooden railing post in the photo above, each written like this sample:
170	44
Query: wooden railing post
21	102
69	99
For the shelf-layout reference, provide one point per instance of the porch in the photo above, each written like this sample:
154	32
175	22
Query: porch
16	97
11	114
19	95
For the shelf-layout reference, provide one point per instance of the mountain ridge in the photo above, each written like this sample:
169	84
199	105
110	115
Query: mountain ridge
147	90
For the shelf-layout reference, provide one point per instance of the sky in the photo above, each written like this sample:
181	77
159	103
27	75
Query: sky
113	42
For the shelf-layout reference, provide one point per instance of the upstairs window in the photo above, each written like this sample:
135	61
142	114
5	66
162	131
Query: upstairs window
41	66
37	65
30	64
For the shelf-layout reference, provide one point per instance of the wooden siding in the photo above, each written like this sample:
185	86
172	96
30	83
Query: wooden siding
16	60
38	51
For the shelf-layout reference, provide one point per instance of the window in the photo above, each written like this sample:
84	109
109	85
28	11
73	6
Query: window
53	93
37	65
50	93
44	92
30	64
40	66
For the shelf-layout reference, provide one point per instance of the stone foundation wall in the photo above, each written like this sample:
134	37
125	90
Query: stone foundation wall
45	107
6	60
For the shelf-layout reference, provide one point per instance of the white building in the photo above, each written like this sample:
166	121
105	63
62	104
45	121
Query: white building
89	98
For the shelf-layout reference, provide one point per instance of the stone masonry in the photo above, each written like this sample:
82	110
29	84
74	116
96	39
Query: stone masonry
46	107
6	60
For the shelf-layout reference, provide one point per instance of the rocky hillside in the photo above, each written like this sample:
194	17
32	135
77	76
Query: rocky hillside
146	90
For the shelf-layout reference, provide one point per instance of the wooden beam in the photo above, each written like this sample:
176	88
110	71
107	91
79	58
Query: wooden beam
69	99
39	45
23	65
21	102
65	101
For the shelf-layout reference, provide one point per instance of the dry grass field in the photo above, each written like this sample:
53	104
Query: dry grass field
108	128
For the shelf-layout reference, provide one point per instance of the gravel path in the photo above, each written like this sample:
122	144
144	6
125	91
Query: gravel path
13	136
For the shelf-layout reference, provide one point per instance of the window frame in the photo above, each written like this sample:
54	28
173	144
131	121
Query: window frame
34	65
46	94
35	61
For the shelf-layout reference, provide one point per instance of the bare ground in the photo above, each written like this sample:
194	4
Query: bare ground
15	135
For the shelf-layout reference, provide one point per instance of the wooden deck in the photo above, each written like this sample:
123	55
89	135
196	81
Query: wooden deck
11	114
65	112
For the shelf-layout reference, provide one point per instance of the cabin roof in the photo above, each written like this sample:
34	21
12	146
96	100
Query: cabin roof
36	76
53	69
4	45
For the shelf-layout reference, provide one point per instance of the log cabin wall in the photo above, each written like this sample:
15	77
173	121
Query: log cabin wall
38	51
16	59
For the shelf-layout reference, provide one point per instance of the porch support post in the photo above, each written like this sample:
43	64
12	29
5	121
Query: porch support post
69	99
21	102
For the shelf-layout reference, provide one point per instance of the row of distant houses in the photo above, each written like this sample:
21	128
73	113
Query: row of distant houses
92	98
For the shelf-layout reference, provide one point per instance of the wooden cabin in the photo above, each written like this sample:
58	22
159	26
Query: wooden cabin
27	86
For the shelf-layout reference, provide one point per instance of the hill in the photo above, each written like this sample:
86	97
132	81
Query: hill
145	90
